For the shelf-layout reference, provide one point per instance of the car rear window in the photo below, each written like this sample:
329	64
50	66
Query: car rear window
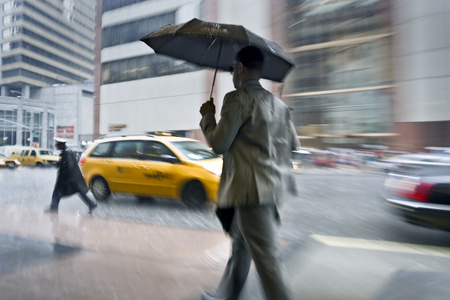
424	170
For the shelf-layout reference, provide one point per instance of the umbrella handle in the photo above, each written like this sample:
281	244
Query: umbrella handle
212	88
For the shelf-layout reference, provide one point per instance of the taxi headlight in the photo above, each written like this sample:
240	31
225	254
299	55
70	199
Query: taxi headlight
215	171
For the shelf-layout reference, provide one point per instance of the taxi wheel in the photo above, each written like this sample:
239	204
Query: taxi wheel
100	189
194	194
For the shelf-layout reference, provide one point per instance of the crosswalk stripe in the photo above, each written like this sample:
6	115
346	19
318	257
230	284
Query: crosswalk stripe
380	245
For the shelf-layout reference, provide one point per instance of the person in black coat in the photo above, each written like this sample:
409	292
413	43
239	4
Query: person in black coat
69	179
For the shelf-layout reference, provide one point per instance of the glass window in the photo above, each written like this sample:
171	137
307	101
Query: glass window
143	67
132	68
8	5
123	70
114	72
156	151
73	38
33	153
133	31
106	73
114	4
37	119
11	31
7	19
45	152
126	149
195	150
102	150
58	46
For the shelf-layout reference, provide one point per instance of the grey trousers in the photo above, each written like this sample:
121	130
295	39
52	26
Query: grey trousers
254	237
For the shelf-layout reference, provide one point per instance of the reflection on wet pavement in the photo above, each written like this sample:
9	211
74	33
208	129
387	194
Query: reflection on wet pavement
17	252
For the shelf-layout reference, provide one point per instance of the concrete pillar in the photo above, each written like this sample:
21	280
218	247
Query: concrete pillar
19	127
26	91
31	128
44	131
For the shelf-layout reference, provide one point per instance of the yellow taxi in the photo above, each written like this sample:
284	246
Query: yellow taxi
10	163
39	157
152	166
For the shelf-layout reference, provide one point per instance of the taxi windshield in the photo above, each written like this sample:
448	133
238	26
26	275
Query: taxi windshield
194	150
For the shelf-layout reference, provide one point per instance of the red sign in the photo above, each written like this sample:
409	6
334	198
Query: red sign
65	132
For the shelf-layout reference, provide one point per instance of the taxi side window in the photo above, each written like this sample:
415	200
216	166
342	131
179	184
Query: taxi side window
33	153
102	150
25	152
155	151
127	149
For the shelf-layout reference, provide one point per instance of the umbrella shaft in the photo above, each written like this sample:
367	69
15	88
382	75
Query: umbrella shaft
217	67
212	88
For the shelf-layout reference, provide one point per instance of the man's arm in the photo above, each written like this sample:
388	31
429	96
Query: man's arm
220	136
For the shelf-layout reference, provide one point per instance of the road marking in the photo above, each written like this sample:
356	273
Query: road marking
356	243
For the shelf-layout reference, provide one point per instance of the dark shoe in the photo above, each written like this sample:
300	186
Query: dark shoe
92	208
51	210
206	296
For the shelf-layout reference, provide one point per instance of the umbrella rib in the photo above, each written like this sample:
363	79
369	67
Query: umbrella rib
204	54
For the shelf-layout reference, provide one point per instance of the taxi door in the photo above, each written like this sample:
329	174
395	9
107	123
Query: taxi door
122	176
24	159
158	170
32	158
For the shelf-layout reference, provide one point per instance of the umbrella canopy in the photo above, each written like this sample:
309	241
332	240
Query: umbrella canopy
215	45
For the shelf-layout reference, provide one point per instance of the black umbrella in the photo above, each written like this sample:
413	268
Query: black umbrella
215	45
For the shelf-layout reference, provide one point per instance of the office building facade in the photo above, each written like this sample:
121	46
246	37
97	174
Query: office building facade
367	71
370	72
43	43
342	86
138	90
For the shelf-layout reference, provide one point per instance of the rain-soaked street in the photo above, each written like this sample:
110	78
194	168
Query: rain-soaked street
331	202
338	242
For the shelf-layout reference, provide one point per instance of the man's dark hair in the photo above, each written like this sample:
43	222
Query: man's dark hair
251	57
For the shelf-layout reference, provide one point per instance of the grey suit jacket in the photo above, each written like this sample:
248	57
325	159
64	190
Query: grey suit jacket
256	137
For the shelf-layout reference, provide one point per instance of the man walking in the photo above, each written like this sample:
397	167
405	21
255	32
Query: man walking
256	137
69	179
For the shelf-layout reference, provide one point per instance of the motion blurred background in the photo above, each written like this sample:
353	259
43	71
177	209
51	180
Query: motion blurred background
368	72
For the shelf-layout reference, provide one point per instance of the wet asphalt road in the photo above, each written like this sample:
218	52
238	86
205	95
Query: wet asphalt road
336	202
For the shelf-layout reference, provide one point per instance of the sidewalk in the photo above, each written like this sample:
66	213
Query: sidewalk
62	256
58	256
